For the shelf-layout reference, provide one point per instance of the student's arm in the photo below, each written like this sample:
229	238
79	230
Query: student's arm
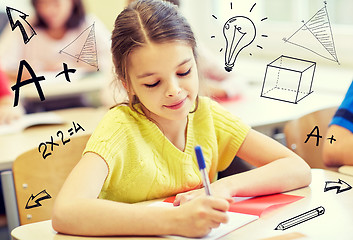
338	152
78	211
279	170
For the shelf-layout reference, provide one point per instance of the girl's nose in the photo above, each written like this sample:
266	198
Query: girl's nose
173	88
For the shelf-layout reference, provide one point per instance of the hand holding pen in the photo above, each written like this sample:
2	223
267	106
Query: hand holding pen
219	190
202	213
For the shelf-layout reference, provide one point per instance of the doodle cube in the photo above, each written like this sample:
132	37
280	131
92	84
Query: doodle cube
288	79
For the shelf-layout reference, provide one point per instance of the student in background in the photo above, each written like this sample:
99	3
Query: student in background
57	23
340	152
145	150
8	113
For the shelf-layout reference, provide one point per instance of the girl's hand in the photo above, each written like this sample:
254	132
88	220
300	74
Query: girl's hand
196	218
218	189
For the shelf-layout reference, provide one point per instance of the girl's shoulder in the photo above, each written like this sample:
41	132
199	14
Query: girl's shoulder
208	105
120	113
115	121
210	109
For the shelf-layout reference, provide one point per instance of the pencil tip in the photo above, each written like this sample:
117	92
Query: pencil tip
279	227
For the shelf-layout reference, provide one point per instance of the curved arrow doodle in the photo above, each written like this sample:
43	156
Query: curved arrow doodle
17	23
34	201
341	186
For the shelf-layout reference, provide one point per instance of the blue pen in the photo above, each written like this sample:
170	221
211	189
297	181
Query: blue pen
202	167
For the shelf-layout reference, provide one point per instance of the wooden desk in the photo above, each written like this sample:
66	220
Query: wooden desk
335	223
13	145
346	170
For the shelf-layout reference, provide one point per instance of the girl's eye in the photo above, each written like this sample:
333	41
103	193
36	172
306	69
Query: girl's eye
152	85
184	73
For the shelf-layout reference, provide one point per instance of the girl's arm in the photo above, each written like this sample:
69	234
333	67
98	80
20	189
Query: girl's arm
78	211
278	170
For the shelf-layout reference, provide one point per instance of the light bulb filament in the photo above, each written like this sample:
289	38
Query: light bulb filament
236	30
239	32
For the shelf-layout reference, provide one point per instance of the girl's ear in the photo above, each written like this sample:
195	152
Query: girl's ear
128	89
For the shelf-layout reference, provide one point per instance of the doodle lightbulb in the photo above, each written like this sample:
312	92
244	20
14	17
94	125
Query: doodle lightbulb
239	32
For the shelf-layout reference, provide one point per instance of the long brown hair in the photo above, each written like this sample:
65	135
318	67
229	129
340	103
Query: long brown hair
143	22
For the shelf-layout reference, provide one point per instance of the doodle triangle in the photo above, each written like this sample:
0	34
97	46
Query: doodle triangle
316	36
84	48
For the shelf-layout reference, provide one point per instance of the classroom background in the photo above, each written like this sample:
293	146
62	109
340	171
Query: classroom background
282	20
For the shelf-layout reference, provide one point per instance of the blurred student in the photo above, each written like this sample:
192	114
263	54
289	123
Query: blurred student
8	113
57	24
340	152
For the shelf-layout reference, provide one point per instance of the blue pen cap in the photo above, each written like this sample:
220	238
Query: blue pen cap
199	156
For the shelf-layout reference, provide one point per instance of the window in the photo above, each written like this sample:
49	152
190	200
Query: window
339	11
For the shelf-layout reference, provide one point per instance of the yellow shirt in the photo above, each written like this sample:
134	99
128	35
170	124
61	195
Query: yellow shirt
143	164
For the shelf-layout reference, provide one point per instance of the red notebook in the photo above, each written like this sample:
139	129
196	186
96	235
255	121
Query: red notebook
257	205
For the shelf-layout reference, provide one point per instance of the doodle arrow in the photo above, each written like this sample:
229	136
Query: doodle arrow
16	17
34	201
341	186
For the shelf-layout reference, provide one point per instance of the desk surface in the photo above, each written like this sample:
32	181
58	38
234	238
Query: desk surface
346	170
13	145
335	223
258	111
56	88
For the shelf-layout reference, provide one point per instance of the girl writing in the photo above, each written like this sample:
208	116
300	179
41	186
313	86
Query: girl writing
144	150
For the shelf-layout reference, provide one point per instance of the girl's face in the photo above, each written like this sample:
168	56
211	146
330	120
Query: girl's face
164	77
55	13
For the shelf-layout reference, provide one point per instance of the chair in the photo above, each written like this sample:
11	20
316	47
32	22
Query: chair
37	181
296	133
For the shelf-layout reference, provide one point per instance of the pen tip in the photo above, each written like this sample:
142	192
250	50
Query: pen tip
199	156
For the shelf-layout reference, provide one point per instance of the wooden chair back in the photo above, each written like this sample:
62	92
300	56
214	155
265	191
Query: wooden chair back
296	133
37	181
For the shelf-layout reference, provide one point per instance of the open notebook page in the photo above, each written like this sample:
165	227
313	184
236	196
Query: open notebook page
29	120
